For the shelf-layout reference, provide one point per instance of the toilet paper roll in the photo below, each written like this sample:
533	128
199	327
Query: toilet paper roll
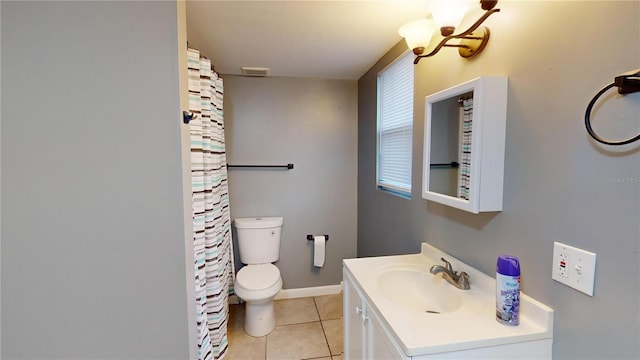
318	250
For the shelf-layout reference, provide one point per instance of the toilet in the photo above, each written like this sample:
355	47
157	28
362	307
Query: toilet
258	282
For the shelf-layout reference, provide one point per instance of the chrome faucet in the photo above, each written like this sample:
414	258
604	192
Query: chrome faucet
461	281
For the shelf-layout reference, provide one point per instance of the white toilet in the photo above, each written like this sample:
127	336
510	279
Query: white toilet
259	281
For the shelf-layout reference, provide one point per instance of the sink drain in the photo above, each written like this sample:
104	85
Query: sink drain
432	312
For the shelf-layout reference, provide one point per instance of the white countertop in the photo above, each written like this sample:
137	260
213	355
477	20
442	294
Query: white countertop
473	326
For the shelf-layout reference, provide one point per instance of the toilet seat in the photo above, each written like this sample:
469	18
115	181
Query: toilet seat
258	277
255	282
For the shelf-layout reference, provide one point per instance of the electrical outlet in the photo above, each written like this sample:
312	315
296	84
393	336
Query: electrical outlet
561	264
574	267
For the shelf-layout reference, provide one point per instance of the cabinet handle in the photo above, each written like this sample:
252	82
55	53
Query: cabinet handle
363	316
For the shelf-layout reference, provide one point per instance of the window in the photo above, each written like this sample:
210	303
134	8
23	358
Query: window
395	126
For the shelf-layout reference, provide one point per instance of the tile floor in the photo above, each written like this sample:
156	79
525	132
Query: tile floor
306	328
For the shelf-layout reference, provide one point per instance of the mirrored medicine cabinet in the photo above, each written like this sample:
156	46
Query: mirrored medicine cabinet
464	138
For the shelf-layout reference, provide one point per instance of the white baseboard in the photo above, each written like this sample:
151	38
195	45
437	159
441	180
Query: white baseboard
298	293
309	291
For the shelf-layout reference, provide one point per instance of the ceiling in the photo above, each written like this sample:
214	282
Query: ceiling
313	39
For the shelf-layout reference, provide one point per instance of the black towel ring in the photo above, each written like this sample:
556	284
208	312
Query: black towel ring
587	121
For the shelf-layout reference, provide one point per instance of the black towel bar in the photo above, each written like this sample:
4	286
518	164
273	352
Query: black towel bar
452	164
287	166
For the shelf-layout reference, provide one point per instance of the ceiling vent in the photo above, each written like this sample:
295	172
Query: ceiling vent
254	71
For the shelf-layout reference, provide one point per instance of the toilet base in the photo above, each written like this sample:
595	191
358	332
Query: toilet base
259	318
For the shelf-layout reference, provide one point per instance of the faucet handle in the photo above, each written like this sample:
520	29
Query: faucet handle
447	264
463	281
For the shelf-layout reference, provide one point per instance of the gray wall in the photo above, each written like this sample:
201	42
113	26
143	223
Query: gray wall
312	124
559	184
93	256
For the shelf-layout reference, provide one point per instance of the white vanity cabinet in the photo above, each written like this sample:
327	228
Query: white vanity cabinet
365	337
381	323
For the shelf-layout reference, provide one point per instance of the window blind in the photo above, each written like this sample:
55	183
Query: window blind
395	125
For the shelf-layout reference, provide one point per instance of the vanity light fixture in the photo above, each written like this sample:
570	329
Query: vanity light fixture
447	15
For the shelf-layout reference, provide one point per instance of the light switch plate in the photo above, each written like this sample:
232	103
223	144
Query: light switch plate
574	267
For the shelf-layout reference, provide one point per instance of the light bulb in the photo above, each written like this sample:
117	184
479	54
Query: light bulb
417	33
448	14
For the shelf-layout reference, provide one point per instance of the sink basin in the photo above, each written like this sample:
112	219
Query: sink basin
414	288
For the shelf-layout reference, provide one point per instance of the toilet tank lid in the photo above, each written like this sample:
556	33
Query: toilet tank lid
259	222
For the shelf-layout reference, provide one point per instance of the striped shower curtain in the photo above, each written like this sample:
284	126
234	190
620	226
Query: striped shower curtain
464	172
214	268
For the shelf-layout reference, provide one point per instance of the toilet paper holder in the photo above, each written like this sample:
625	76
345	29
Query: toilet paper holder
310	237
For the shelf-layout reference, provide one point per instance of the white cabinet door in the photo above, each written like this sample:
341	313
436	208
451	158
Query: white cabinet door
364	335
354	333
463	164
379	342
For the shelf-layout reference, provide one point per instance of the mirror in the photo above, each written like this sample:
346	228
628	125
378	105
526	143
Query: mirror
464	145
446	151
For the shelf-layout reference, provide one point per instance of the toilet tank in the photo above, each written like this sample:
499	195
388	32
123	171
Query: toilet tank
259	239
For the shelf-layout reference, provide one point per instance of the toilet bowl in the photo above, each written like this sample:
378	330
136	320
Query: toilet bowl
257	285
259	281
